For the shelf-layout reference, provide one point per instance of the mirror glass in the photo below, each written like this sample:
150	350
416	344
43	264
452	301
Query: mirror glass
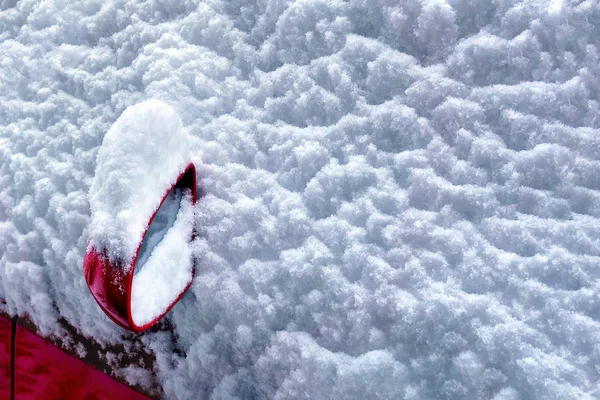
164	264
163	220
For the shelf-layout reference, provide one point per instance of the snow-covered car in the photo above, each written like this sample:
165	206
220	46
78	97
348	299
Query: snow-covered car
399	199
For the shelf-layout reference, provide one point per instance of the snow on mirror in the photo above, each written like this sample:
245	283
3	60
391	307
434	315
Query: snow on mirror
164	265
138	261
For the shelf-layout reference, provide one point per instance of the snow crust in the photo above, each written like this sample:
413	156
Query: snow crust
402	199
164	267
141	157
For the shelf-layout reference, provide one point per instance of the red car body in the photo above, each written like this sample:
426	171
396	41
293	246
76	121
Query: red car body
33	368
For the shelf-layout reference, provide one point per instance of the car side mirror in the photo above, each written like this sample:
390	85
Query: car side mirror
138	260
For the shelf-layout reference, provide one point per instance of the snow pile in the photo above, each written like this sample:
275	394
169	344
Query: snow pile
164	265
141	156
402	199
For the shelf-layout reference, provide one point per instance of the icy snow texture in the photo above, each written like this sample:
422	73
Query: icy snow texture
162	274
141	157
402	199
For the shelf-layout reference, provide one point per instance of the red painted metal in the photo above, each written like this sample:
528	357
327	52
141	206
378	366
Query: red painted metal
5	359
111	286
43	371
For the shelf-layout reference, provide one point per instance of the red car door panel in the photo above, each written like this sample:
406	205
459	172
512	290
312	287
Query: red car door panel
5	343
43	371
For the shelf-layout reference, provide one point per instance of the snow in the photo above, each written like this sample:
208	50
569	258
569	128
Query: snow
141	157
401	199
164	266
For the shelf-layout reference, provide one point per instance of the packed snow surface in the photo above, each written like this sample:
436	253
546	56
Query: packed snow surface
164	265
141	157
401	199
